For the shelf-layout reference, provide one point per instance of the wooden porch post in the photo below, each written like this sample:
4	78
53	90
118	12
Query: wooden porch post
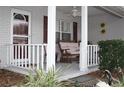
83	45
51	37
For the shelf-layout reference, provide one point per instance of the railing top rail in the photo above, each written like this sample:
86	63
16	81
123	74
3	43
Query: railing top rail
3	45
92	45
28	44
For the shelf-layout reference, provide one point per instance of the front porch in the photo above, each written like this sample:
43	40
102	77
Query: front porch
24	54
28	58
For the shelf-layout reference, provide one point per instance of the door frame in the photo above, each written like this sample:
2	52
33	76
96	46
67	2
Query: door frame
29	26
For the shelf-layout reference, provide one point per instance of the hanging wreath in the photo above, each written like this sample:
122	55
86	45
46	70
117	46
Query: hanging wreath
102	25
103	31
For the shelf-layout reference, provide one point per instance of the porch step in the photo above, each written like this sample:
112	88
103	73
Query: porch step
20	70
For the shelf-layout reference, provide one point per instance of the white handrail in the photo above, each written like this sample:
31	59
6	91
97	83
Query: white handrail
33	56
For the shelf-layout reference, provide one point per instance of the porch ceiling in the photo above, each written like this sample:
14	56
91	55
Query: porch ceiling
93	11
117	11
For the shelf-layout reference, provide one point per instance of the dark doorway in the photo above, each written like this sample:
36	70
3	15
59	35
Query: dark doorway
75	31
45	29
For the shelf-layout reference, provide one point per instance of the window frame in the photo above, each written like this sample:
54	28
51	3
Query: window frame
60	31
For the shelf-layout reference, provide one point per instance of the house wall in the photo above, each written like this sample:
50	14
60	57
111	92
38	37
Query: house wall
114	28
37	14
4	33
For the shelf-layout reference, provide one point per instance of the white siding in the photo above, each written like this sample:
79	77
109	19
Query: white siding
4	33
4	25
114	28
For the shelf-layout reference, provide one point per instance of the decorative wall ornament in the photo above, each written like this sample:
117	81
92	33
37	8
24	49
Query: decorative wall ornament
103	28
103	31
102	24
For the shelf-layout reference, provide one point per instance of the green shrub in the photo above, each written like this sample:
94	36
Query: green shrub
111	54
43	79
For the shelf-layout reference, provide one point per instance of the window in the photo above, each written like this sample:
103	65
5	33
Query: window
63	30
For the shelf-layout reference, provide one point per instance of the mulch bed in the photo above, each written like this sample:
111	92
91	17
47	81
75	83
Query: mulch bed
97	74
9	78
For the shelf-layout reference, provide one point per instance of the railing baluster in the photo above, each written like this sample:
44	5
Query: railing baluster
19	56
96	54
22	56
15	56
42	56
37	57
33	63
93	55
29	55
88	55
11	54
25	64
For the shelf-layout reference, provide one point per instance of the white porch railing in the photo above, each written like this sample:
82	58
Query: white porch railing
33	56
92	55
29	56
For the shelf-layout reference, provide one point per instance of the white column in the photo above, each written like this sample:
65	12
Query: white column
51	37
83	45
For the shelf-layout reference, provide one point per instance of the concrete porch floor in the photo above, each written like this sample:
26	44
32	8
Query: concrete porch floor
67	70
71	70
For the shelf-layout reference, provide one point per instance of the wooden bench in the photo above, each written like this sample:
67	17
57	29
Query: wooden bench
69	51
